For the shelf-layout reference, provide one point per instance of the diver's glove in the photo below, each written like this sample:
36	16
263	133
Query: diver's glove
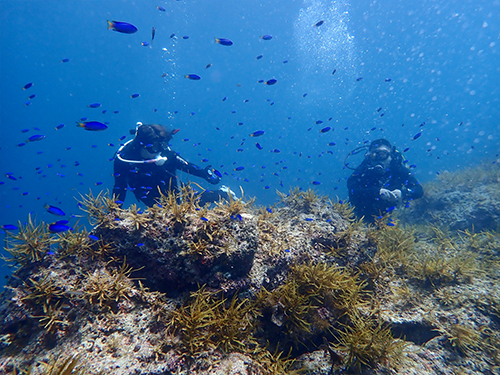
394	196
211	176
161	160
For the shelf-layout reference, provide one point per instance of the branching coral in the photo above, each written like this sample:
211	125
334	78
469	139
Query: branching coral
367	341
104	287
30	245
101	210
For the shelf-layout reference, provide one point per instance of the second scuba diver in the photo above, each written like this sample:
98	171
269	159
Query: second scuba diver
381	182
146	165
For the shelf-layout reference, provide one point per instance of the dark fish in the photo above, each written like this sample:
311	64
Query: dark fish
258	146
416	136
308	219
64	60
319	122
172	36
27	86
239	169
359	79
223	41
319	23
122	27
192	77
35	138
185	37
94	105
258	57
217	173
331	144
316	183
94	126
388	80
9	227
27	103
271	82
145	44
276	151
203	218
54	210
379	109
94	238
136	95
24	130
208	66
32	96
153	32
257	133
304	95
58	228
224	98
266	37
334	71
406	149
161	9
324	130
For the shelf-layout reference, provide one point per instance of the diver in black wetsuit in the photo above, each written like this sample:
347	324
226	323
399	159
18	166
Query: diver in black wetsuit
146	164
381	182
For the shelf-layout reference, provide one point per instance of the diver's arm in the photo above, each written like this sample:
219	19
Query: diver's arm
191	168
120	173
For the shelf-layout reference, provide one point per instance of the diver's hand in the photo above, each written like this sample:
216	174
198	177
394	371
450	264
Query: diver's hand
394	196
211	177
161	160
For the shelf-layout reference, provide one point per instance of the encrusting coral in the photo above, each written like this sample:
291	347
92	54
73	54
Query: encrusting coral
299	287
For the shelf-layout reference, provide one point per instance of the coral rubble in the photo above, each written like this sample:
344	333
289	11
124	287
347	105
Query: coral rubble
300	287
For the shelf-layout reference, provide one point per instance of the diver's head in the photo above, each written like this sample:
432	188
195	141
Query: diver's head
379	154
152	139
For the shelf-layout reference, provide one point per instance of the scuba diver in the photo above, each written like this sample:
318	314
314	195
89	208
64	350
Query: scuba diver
381	182
146	165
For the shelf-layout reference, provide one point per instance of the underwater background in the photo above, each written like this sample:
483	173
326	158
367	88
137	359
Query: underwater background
423	75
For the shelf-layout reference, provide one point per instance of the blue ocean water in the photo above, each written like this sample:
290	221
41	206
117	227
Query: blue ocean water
372	69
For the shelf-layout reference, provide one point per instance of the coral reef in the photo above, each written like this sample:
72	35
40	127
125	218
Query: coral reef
232	288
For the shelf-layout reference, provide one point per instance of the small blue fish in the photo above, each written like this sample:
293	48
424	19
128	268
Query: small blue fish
58	227
185	37
258	57
319	122
27	86
35	138
122	27
136	95
54	210
331	144
359	79
271	82
237	169
324	130
269	210
316	183
94	105
308	219
319	23
258	146
94	238
140	244
334	71
32	96
193	77
93	126
276	151
60	126
388	80
223	41
9	227
208	66
257	133
217	173
145	44
161	9
416	136
203	218
266	37
406	149
65	60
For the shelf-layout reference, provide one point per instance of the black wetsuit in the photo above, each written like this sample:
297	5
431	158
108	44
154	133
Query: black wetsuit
144	179
365	183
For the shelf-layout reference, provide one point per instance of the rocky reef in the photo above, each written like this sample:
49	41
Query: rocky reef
299	287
